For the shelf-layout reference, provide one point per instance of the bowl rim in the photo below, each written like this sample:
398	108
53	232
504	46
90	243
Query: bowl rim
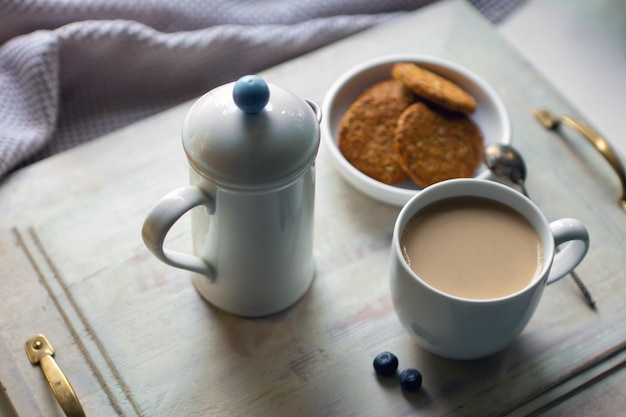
393	194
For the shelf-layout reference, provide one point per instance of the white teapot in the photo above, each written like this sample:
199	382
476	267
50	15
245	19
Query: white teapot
251	147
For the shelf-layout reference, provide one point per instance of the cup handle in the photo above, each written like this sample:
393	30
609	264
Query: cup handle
573	231
162	217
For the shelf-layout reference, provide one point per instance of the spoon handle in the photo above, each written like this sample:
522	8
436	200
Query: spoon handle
522	185
583	289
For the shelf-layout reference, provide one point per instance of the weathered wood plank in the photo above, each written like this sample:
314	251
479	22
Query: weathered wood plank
141	342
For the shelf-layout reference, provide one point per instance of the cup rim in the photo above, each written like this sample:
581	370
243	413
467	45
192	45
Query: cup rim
408	211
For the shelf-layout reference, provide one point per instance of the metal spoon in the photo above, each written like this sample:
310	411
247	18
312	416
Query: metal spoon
505	161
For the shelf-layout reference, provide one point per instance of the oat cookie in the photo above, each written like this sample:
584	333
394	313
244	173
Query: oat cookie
434	88
435	145
366	131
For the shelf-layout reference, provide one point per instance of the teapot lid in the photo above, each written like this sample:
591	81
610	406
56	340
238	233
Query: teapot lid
250	134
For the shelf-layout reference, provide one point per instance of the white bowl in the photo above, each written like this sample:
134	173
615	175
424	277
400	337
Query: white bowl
490	116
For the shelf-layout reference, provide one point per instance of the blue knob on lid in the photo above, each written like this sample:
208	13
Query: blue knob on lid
251	93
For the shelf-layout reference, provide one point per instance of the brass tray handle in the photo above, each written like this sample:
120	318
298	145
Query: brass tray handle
40	351
553	122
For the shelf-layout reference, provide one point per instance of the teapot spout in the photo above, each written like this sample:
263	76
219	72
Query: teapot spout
316	109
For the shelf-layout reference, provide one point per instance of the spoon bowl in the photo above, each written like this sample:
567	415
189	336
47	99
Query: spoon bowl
505	161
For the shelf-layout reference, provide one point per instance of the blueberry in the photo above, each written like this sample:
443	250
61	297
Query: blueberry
410	379
386	363
251	93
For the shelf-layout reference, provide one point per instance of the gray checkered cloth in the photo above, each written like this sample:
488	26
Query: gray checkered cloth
71	71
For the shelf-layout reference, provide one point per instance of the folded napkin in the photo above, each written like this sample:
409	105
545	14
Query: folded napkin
71	71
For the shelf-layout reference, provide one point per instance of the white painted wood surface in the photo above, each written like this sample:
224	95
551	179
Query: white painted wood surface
135	339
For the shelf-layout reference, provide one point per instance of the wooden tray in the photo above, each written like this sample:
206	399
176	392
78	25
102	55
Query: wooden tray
135	339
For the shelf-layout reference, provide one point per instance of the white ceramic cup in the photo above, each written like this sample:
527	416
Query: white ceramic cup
460	328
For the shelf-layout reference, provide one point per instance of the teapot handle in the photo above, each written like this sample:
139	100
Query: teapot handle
162	217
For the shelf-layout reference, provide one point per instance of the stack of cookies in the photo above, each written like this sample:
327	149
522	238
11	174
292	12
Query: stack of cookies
415	126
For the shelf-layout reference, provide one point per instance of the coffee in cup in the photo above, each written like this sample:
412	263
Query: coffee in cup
464	246
452	285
